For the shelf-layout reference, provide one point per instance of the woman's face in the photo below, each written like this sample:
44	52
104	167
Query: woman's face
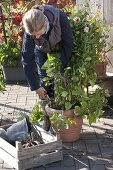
40	32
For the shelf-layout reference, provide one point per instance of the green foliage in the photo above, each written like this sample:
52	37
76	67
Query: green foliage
92	106
71	87
10	53
37	114
2	85
61	120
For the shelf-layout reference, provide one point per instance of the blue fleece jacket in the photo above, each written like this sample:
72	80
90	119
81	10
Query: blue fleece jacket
29	58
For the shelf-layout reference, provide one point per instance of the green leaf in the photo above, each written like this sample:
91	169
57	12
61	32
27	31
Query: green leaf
64	94
59	126
78	110
68	105
84	104
88	59
73	92
54	118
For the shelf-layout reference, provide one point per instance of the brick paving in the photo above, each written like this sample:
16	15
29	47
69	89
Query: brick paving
93	151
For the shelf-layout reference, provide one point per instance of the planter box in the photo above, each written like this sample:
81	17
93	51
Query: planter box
12	74
25	158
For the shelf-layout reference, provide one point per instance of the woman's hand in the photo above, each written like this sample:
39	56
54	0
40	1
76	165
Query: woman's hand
41	92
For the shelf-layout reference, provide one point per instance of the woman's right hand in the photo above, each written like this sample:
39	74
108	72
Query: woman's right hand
42	93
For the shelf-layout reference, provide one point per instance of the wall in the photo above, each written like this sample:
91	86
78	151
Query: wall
106	7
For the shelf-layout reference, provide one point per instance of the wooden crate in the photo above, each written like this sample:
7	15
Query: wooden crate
24	158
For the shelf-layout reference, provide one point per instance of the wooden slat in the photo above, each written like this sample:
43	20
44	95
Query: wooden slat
37	150
41	160
9	159
8	148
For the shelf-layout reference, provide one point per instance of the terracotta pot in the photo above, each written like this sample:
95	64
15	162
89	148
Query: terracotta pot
101	69
73	132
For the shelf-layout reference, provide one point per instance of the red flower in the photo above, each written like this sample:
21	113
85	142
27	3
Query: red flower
2	17
0	30
16	18
1	38
15	2
52	2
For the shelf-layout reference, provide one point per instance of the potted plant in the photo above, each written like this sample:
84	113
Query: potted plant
10	55
74	94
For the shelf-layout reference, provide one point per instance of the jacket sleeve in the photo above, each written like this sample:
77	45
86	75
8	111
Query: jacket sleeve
28	61
66	40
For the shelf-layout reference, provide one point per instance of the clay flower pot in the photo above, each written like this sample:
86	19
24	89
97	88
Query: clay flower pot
101	69
73	132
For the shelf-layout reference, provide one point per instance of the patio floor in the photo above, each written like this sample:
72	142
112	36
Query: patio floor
94	150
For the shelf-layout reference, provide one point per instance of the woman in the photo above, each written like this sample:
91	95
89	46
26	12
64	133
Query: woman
45	26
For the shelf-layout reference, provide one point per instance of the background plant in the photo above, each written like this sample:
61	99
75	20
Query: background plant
11	30
10	53
11	13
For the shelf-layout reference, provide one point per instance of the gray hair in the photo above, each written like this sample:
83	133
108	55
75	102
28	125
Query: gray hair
34	19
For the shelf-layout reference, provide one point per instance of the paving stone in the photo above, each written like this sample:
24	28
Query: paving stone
104	142
106	150
100	131
67	148
1	161
1	166
108	122
31	97
67	151
88	136
98	159
8	110
28	109
21	99
3	100
68	168
2	109
38	168
91	141
68	144
55	164
104	136
88	129
4	95
67	161
31	102
98	167
81	163
52	168
93	148
107	127
79	146
109	167
79	168
7	167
